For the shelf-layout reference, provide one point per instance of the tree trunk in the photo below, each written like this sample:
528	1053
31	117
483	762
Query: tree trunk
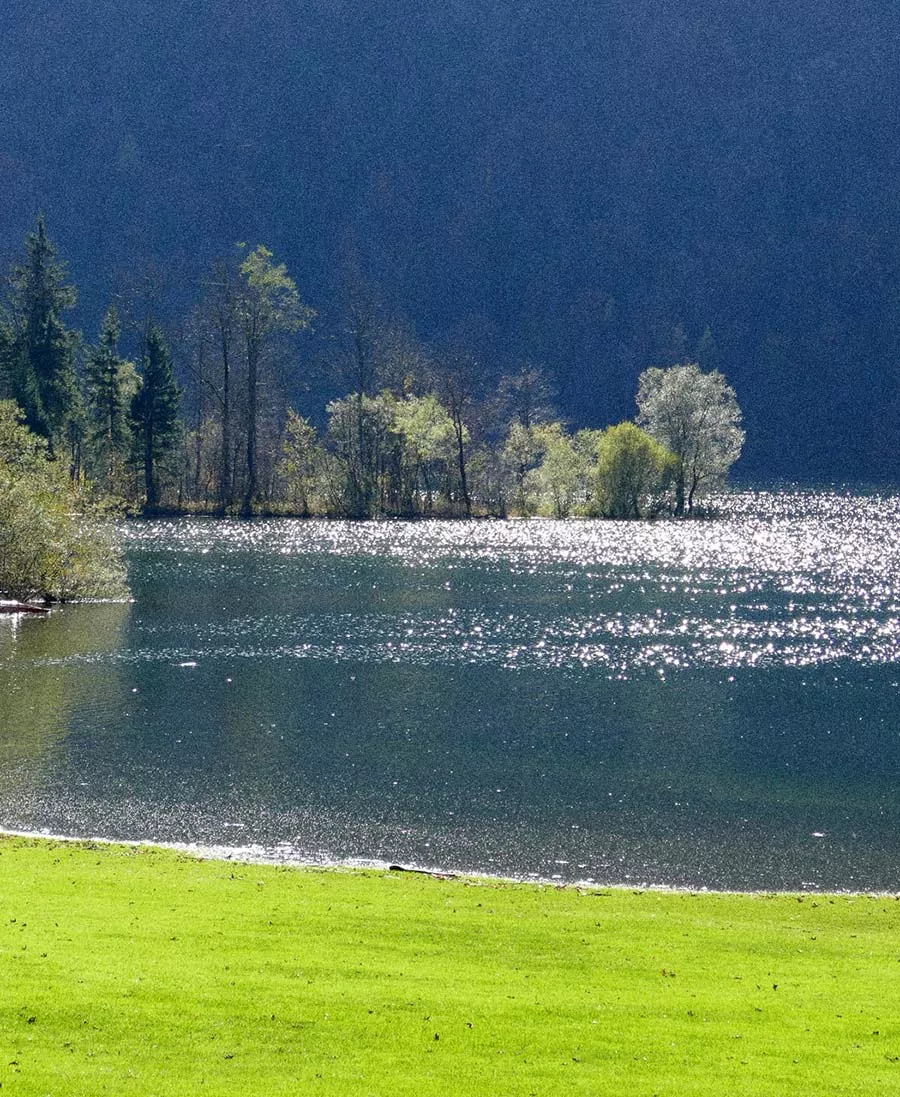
461	461
225	481
149	471
251	486
679	491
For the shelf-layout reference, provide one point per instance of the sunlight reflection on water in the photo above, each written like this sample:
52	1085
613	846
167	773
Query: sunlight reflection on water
794	579
701	703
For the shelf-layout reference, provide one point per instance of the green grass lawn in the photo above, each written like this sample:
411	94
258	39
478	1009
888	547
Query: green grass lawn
142	971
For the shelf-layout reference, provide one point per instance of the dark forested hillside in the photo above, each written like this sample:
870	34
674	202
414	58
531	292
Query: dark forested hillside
589	185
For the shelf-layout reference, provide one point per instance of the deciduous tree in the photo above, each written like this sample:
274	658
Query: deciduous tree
427	451
696	416
268	303
526	396
48	545
301	464
456	377
631	471
561	478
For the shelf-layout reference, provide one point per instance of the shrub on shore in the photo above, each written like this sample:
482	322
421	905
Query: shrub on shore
53	544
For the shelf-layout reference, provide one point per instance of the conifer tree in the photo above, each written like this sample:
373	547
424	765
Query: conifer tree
106	375
154	412
7	353
39	349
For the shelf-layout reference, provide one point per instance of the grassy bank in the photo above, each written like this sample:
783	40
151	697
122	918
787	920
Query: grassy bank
128	971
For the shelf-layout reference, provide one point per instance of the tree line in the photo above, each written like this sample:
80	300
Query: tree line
200	417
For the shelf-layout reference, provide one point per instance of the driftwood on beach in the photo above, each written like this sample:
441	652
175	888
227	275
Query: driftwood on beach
11	606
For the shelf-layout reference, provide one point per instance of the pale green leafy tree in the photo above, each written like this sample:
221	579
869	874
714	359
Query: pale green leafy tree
300	468
522	453
268	304
631	472
559	480
397	453
359	430
696	416
490	480
428	449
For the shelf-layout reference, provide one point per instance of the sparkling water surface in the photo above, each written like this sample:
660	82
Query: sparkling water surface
702	704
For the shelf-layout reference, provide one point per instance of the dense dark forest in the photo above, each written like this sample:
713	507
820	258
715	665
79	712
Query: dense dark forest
589	188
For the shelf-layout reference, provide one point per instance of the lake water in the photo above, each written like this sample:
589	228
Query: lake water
698	704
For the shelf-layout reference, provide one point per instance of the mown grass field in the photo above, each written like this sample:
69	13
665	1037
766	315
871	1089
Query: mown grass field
145	972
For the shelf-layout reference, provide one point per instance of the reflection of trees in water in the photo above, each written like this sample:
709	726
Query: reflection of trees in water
40	690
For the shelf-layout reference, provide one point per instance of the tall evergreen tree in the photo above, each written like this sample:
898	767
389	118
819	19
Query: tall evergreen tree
7	353
107	401
154	412
39	349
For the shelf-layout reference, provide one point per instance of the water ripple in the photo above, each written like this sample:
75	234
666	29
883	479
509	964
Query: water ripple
677	702
617	644
779	578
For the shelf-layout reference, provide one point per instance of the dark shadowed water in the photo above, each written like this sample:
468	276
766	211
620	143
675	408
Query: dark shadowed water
702	704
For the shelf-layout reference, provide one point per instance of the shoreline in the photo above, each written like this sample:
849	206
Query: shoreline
266	857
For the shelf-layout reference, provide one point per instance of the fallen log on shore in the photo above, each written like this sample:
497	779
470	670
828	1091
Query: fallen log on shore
423	872
11	606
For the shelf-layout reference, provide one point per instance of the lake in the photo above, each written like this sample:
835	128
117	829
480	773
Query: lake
701	704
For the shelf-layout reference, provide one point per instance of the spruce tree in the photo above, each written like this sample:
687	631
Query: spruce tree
39	349
7	357
106	398
154	412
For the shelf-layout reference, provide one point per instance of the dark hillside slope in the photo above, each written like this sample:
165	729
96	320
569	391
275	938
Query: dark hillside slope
565	181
